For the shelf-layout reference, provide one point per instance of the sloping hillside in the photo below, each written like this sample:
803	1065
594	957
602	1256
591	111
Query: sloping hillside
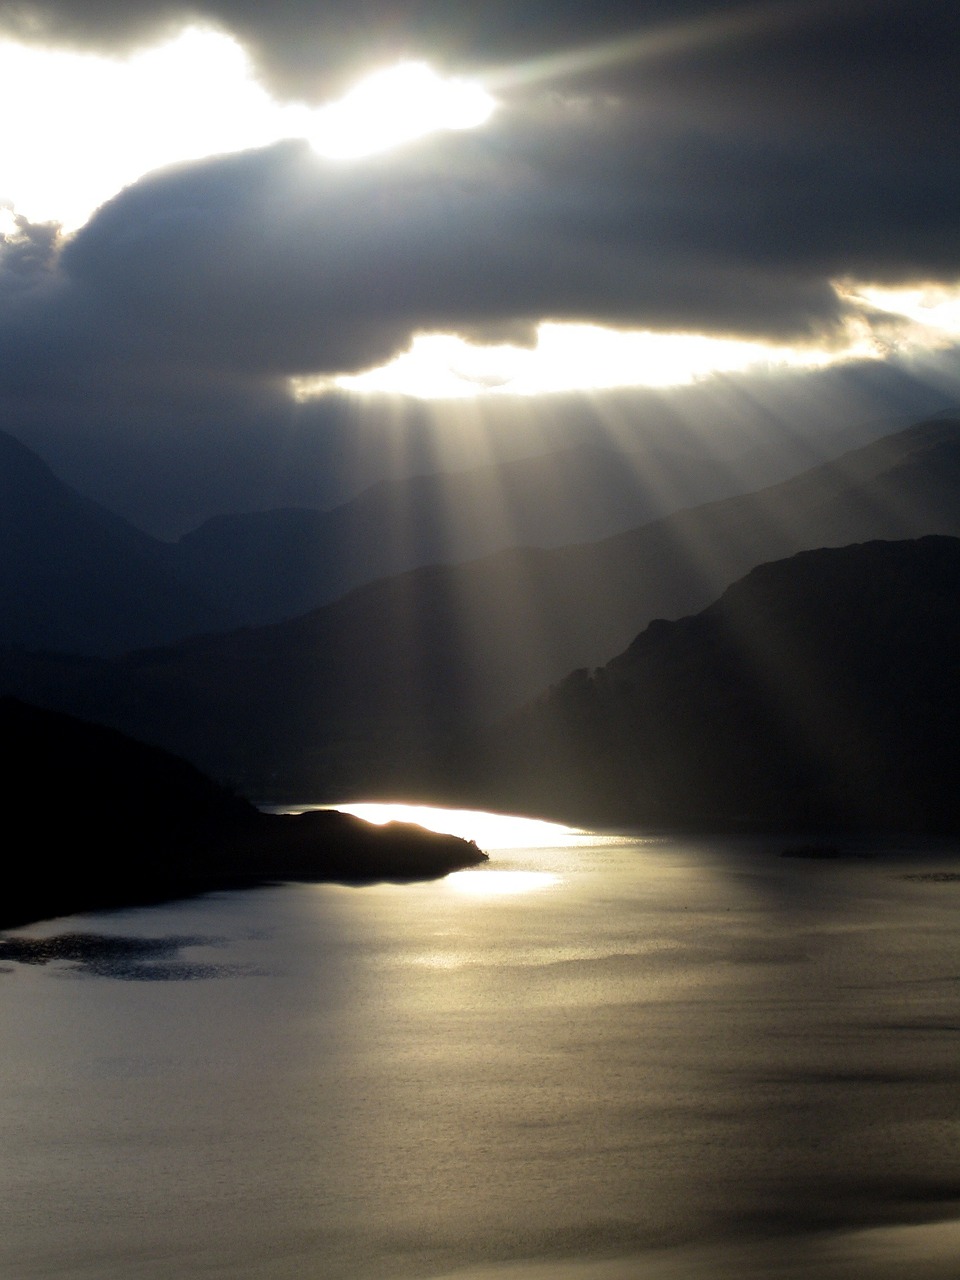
820	691
269	565
358	693
74	577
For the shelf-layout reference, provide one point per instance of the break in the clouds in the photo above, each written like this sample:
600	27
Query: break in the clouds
304	49
779	175
278	261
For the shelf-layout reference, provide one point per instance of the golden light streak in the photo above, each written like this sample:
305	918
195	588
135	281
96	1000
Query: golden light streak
657	42
489	830
486	883
576	357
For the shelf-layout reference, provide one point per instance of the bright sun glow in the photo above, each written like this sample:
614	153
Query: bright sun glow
572	357
483	882
79	127
489	830
396	105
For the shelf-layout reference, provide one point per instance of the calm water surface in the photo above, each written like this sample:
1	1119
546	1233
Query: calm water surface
595	1058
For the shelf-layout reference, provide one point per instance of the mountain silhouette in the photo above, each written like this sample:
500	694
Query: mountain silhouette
105	821
74	577
372	689
821	691
265	566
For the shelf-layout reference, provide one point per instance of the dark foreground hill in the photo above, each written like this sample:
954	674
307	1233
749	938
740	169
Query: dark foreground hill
369	691
821	691
96	819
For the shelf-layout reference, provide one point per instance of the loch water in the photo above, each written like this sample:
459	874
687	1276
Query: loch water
596	1057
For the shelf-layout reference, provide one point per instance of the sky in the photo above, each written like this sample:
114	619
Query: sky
254	253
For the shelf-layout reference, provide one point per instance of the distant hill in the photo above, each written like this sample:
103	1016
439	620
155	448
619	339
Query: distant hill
822	691
96	819
371	689
74	577
78	579
269	565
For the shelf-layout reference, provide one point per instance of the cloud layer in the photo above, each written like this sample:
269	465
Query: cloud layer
706	168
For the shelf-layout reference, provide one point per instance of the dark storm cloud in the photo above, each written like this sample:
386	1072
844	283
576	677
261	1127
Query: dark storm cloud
715	170
756	151
278	262
787	55
303	47
720	187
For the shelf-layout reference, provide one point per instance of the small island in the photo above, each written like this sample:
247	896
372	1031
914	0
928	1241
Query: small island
97	820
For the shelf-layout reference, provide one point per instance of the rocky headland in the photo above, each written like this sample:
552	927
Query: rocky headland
98	820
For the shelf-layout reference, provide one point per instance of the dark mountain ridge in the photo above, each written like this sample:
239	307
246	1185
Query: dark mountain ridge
819	692
269	565
369	691
74	577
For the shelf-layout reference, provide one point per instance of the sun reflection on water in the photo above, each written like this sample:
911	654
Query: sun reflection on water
489	830
485	883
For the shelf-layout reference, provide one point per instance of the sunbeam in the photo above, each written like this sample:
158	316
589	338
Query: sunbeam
738	24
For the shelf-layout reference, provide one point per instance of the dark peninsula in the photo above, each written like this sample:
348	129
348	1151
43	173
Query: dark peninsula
98	820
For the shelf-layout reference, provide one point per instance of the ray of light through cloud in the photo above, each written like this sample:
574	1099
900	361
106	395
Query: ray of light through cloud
735	23
82	126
